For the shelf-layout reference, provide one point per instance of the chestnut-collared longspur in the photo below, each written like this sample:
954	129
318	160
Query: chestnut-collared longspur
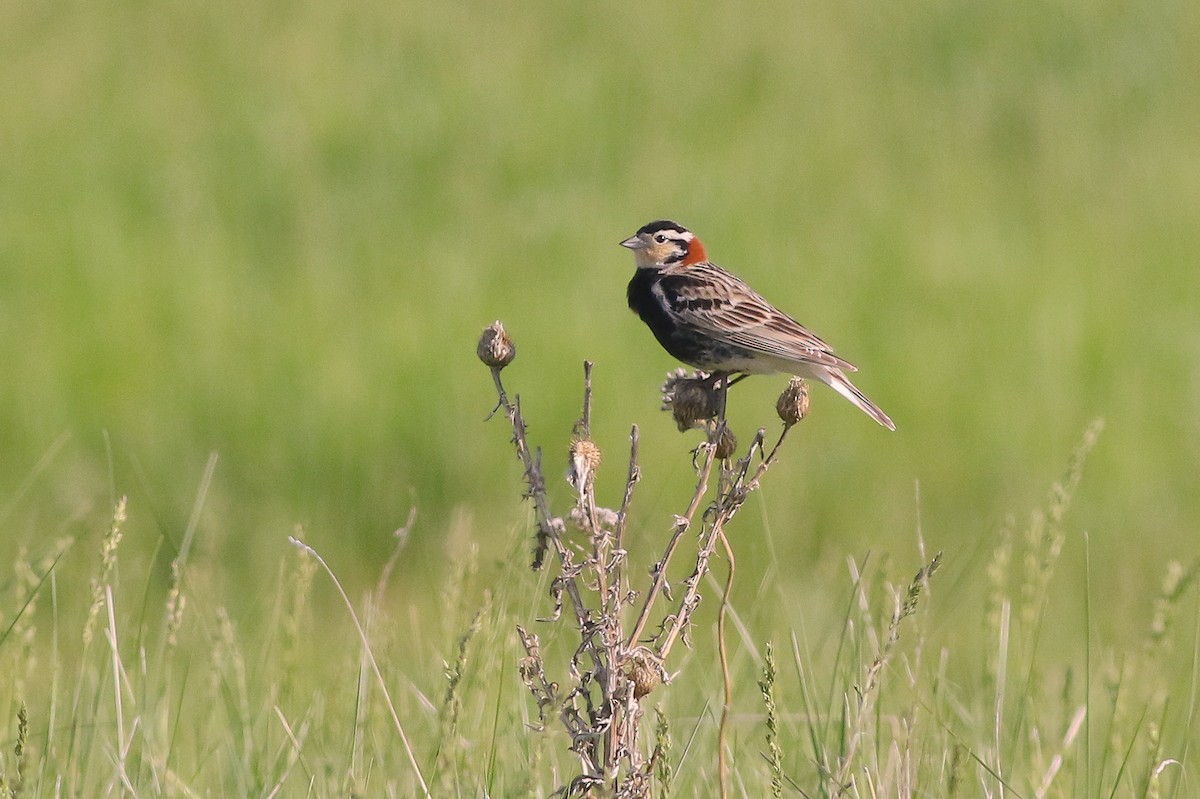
710	319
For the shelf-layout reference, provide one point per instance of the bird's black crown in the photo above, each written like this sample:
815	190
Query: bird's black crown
660	225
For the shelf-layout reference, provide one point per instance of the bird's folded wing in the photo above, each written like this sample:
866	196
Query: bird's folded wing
715	303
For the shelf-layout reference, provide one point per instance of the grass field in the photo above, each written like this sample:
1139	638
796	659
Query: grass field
245	253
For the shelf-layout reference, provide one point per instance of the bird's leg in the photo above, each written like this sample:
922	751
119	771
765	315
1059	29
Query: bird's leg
722	398
721	384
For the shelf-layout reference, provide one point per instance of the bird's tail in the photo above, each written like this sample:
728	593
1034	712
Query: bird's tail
835	379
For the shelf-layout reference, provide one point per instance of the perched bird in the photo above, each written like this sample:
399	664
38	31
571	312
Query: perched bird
709	319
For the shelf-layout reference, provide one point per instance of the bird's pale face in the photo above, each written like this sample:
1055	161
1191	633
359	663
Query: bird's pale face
662	244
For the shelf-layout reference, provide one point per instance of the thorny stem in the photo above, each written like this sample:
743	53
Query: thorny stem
548	526
635	474
585	421
534	675
726	505
587	496
598	639
682	523
609	624
729	500
533	476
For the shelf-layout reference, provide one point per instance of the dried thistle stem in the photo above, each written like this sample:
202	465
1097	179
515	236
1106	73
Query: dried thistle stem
722	510
631	480
549	537
682	524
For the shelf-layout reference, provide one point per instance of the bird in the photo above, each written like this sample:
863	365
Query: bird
711	320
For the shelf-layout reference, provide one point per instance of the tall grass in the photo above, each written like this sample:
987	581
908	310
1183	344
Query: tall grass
127	688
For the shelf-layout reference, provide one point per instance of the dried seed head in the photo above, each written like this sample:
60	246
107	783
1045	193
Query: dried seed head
645	672
495	348
585	450
583	461
726	443
693	401
668	386
645	680
793	402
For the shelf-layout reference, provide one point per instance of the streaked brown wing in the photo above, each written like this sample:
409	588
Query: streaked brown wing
715	303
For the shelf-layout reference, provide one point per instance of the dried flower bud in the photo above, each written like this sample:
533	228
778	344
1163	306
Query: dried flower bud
495	348
793	402
726	443
583	461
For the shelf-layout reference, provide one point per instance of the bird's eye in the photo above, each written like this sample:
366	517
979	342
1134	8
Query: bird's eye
660	238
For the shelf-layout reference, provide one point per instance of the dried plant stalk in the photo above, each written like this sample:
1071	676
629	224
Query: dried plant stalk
613	669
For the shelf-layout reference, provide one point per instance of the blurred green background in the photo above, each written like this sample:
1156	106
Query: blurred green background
274	231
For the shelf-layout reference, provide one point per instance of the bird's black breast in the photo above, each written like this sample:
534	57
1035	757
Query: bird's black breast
646	305
680	343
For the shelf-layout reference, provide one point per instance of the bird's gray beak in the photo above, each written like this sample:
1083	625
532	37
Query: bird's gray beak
634	243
